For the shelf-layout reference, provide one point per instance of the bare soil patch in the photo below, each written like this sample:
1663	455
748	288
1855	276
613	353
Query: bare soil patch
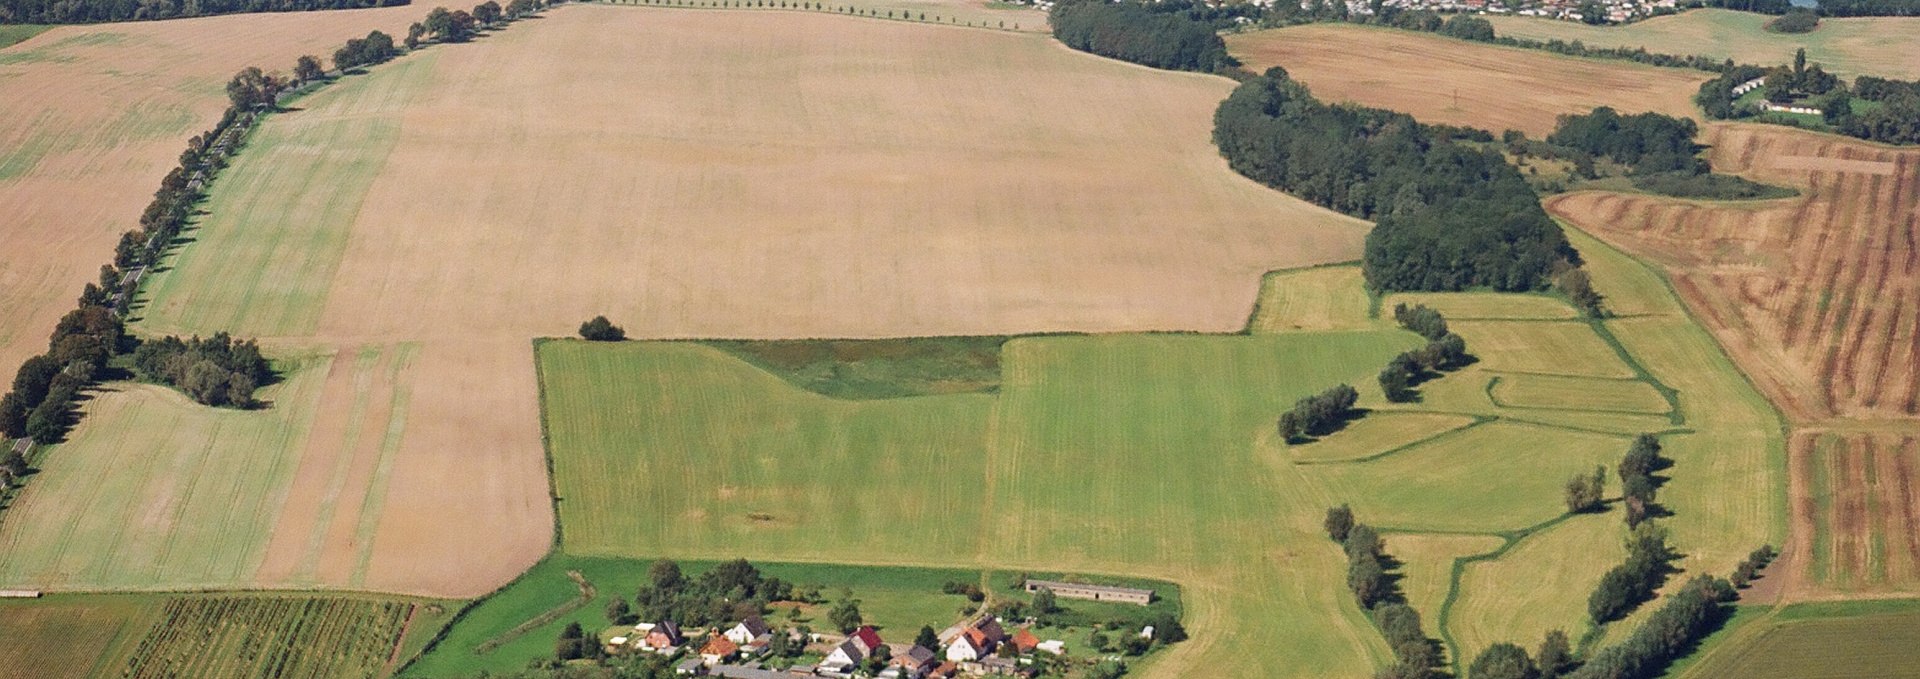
1442	80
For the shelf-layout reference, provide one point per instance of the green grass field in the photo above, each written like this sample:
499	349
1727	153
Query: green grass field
1817	641
1458	307
1579	393
14	34
72	636
1880	46
1319	298
160	492
1145	454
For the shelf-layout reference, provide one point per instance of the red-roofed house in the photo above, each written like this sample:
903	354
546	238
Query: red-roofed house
718	650
1025	641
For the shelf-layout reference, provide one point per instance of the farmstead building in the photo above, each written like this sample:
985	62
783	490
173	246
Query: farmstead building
1072	590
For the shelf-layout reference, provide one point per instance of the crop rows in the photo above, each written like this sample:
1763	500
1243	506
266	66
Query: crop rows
1862	503
1825	289
269	636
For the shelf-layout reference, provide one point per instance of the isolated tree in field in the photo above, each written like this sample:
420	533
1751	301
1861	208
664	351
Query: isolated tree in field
1555	656
1502	661
307	69
1584	491
602	330
1339	522
927	638
845	616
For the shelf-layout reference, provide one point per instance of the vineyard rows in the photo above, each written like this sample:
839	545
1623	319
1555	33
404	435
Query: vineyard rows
269	636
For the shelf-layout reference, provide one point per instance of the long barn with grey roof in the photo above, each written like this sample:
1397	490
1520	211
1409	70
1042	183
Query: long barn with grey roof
1074	590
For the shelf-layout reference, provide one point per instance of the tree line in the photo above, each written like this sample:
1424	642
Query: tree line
1448	217
1161	35
98	11
1416	655
1445	351
1831	8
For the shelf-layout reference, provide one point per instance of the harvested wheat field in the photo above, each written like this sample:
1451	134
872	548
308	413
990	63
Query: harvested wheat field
1817	296
1882	46
1455	82
797	175
1856	489
91	118
1818	299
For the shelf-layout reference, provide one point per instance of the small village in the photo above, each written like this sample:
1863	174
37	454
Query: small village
983	644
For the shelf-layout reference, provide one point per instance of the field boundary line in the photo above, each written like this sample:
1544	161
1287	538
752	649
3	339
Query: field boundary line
587	595
1491	384
904	18
1477	421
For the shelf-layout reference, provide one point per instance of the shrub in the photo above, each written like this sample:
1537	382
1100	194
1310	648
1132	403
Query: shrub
602	330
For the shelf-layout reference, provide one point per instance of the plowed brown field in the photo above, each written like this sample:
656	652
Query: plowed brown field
1817	298
1818	294
91	117
1443	80
1861	501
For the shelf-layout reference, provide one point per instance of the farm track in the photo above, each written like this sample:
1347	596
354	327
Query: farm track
1818	299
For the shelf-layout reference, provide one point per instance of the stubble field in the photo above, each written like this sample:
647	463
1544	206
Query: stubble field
91	117
1816	297
1455	82
416	227
1882	46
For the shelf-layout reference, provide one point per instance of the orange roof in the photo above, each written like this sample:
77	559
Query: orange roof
1025	640
977	638
720	646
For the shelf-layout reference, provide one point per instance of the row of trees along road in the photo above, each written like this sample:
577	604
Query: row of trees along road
40	401
96	11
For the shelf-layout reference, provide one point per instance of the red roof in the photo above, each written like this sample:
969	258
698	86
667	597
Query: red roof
1025	640
868	637
720	646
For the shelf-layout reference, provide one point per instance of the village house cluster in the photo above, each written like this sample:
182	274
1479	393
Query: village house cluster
1615	11
980	647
